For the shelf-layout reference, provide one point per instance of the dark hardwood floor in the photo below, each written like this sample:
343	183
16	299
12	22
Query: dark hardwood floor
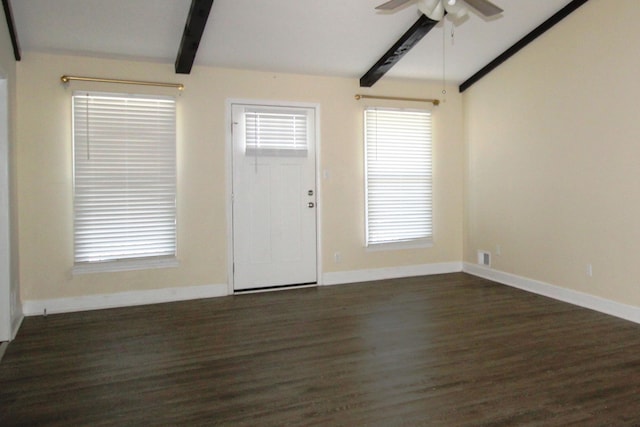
445	350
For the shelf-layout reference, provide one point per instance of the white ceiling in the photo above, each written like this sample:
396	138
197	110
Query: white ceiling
327	37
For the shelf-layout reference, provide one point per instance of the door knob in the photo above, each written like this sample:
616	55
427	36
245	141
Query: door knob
311	204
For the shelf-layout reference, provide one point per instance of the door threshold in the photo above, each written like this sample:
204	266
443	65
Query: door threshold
275	288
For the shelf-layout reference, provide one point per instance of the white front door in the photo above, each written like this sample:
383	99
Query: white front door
274	196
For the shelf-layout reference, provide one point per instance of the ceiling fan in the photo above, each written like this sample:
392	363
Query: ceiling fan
436	9
432	12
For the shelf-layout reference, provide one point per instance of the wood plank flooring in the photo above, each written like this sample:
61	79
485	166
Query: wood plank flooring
447	350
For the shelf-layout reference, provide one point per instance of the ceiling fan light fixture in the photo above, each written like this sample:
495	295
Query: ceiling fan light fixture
433	9
456	10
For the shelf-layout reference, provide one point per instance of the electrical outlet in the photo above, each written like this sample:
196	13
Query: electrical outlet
337	257
498	250
589	270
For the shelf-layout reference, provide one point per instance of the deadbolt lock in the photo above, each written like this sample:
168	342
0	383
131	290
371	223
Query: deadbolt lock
310	192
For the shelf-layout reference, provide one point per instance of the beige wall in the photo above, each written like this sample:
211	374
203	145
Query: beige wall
44	159
553	138
8	72
552	142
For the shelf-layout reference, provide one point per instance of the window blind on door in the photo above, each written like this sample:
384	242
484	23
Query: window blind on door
124	176
270	131
398	164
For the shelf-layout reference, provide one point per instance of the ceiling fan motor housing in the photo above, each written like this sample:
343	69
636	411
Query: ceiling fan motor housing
435	9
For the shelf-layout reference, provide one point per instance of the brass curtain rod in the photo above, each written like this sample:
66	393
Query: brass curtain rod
67	79
395	98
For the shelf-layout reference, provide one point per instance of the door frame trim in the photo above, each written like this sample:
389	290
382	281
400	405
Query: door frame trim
6	311
229	177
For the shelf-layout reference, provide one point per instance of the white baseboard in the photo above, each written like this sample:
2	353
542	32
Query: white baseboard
613	308
155	296
121	299
353	276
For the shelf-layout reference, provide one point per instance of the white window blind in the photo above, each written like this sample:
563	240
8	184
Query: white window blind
273	131
124	176
398	165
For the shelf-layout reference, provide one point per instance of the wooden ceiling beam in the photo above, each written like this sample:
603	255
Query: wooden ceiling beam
193	30
8	14
409	39
520	44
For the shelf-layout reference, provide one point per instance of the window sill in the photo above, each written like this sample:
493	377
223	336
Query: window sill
396	246
124	265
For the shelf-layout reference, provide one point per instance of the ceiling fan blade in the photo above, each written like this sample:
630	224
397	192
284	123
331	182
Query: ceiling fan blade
485	7
392	4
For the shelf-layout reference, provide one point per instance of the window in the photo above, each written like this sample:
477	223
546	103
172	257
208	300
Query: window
124	164
398	176
271	131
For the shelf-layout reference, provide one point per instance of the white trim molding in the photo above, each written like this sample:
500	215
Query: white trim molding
353	276
125	265
6	273
121	299
592	302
